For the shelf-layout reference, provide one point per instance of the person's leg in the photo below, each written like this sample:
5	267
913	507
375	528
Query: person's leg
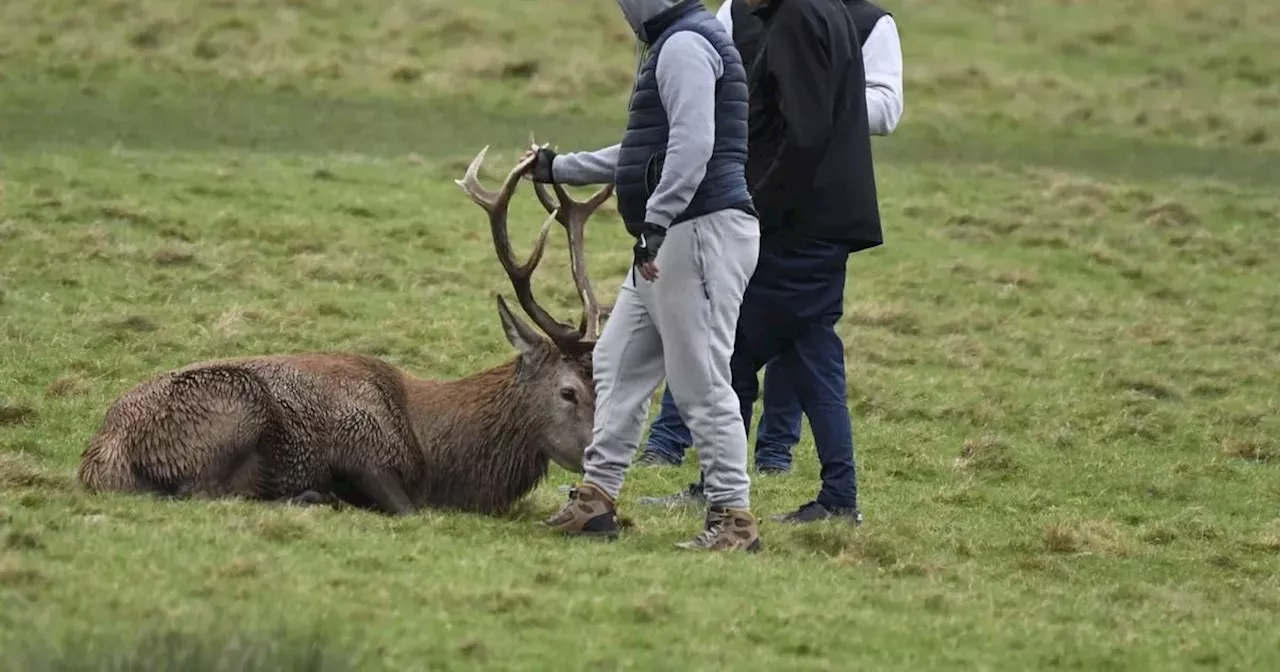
765	329
819	378
668	435
776	312
779	428
627	369
708	261
691	495
817	374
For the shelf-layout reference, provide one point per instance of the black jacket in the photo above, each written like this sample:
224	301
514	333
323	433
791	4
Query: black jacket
809	166
748	28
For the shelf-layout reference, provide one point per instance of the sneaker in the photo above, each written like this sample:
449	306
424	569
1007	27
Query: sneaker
690	496
726	530
588	512
773	471
653	458
814	512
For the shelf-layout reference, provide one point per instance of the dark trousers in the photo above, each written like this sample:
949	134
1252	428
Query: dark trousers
789	312
777	434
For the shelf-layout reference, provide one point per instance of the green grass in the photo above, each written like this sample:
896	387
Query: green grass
1063	363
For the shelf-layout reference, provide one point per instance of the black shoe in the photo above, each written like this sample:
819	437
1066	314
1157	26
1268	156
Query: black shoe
773	471
652	458
814	512
691	495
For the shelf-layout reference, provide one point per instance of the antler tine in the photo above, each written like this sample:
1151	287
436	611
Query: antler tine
470	183
521	275
539	246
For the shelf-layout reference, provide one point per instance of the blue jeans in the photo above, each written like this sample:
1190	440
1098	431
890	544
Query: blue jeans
789	313
779	429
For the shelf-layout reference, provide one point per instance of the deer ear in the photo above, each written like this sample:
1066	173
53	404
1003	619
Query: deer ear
519	333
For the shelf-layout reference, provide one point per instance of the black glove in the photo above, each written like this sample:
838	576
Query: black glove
648	244
542	166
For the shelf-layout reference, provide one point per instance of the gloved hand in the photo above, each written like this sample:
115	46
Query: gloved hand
541	171
646	250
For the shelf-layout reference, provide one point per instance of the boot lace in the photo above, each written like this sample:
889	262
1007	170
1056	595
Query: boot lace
710	533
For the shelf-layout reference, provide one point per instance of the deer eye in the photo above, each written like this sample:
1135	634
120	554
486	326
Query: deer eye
569	395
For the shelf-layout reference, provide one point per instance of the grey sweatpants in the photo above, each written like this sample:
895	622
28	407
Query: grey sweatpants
681	326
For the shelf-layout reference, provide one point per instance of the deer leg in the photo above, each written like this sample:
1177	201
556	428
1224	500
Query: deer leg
373	461
383	488
313	498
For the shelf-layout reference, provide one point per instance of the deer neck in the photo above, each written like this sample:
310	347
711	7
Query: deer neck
477	439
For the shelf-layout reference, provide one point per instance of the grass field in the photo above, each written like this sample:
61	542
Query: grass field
1064	363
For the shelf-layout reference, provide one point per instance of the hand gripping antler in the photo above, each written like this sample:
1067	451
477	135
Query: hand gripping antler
565	336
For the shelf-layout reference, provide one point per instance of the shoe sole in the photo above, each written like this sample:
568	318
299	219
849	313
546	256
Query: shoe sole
673	505
610	535
754	547
606	536
790	521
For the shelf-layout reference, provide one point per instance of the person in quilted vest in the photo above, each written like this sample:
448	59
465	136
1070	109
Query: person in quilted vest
680	179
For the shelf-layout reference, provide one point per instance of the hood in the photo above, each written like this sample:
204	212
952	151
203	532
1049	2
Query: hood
640	12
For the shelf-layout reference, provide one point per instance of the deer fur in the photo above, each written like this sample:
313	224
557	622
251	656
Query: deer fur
352	428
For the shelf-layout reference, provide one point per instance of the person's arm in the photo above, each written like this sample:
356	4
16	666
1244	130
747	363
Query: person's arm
687	70
725	14
882	60
800	69
584	168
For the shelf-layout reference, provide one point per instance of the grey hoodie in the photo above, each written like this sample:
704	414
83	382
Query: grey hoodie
687	70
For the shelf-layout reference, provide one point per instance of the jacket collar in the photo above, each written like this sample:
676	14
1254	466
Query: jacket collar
652	29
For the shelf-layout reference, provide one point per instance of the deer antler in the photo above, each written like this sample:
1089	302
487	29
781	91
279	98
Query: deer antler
573	216
565	336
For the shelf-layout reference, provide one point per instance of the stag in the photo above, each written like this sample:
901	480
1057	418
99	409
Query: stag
347	428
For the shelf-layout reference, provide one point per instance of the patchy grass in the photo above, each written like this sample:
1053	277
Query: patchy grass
1062	364
174	649
1144	68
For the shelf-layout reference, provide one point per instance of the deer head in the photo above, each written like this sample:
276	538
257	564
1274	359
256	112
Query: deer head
553	372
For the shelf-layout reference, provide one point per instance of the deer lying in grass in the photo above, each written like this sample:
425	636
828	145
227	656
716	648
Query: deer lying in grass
340	426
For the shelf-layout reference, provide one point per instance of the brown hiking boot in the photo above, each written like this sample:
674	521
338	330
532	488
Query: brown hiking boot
727	530
589	512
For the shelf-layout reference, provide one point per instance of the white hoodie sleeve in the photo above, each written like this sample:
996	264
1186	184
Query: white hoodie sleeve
725	14
882	60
